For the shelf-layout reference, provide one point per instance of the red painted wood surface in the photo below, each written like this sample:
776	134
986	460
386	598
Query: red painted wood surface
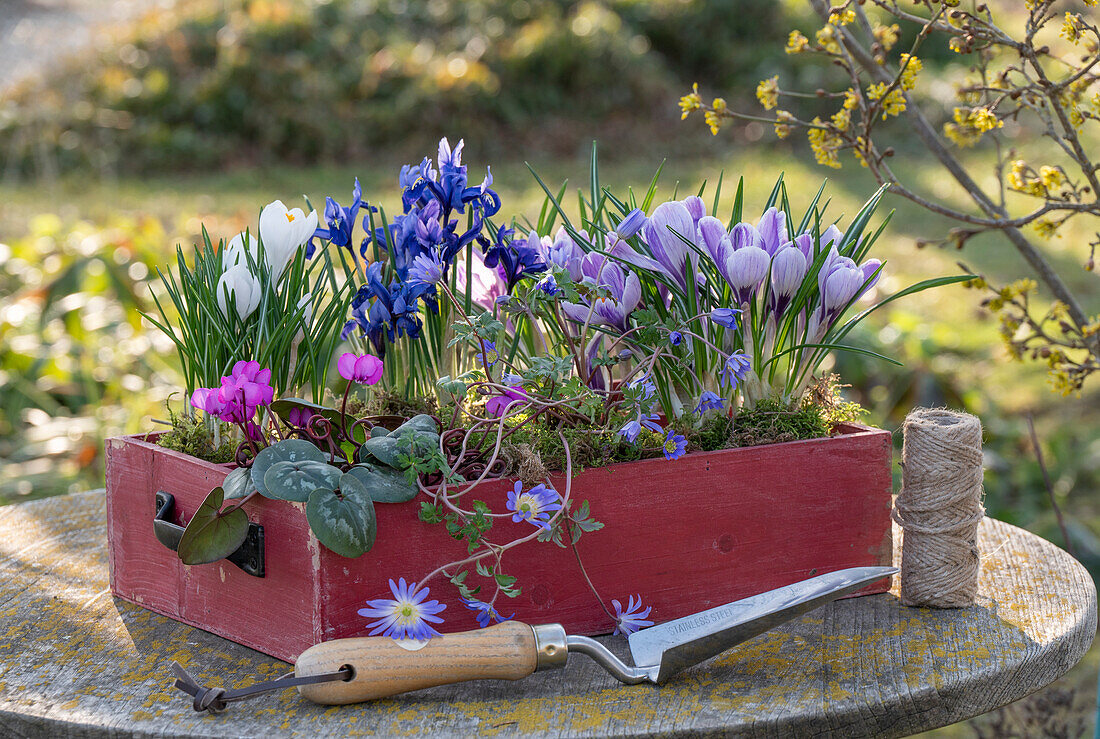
686	535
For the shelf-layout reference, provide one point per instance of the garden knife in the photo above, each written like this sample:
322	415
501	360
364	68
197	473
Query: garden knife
359	669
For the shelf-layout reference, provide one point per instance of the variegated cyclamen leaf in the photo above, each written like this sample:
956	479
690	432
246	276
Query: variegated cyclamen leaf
344	522
384	484
422	422
297	480
291	450
238	484
380	448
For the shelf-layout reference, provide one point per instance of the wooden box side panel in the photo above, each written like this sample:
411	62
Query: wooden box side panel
138	573
277	614
685	535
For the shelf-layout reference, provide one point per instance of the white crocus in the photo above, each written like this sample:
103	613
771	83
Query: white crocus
244	289
282	233
234	251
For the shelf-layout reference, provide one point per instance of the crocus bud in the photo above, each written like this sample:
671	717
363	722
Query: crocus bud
696	207
234	251
712	231
631	224
745	269
788	269
773	229
841	286
805	244
282	233
871	273
745	234
237	282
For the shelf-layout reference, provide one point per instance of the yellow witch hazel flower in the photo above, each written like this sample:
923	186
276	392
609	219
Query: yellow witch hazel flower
797	43
842	16
824	144
984	120
826	39
861	151
1072	27
970	124
1052	177
783	121
842	119
892	102
714	117
691	102
887	36
910	68
1046	228
767	92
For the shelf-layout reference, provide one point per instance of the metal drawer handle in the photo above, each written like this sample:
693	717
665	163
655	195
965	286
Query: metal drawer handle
249	555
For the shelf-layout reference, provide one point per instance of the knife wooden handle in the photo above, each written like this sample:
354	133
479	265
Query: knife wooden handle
506	651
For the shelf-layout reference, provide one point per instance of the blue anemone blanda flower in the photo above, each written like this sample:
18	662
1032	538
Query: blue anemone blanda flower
675	338
406	616
631	224
674	445
488	353
630	431
549	285
736	367
709	401
631	619
535	505
485	613
725	317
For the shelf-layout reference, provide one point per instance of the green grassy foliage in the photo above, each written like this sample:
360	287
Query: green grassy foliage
247	81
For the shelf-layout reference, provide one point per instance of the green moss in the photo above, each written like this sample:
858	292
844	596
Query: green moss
587	448
191	436
388	403
771	422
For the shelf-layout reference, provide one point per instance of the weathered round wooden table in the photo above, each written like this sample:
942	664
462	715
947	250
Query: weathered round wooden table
76	662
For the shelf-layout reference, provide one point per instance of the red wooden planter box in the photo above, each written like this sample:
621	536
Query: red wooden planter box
686	535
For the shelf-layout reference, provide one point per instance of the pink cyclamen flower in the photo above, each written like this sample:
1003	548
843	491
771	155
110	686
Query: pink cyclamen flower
242	391
498	404
366	369
249	385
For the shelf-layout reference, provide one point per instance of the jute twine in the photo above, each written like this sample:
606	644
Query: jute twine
939	507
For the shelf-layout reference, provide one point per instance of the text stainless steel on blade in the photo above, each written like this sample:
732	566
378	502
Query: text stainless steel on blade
354	670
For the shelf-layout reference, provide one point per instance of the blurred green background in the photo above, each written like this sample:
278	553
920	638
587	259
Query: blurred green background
198	114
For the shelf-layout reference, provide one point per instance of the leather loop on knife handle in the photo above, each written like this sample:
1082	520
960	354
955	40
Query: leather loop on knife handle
215	700
382	667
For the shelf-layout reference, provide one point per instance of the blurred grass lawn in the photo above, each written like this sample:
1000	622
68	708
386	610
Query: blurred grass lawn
942	332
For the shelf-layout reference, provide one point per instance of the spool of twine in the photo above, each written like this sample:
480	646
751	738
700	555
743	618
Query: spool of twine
939	507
